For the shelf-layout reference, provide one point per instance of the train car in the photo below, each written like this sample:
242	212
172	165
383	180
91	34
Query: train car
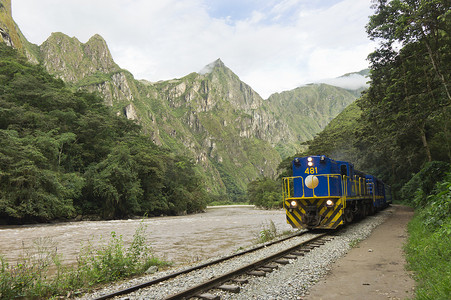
324	193
379	192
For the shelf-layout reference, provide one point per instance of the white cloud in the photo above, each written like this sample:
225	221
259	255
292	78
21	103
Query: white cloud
274	46
352	82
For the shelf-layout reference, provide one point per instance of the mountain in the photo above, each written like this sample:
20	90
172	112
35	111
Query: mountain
11	34
232	134
306	111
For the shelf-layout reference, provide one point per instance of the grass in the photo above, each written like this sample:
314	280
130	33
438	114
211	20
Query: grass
428	250
429	256
41	275
269	233
355	243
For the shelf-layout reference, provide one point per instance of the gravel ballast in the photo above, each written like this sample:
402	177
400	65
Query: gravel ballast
290	281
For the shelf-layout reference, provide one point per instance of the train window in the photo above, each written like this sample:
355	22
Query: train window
344	170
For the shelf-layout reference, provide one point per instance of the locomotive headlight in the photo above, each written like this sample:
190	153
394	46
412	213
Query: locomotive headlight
310	159
293	204
310	164
329	203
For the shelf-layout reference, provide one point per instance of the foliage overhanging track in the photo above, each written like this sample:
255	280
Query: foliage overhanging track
175	274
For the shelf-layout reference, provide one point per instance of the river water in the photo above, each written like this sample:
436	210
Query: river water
181	239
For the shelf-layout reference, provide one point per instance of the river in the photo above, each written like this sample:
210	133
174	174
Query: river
181	239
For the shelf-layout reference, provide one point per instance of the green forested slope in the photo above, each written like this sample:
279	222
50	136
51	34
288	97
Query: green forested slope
307	110
64	154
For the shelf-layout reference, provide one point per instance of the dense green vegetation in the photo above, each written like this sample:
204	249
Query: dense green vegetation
265	192
428	251
406	111
64	154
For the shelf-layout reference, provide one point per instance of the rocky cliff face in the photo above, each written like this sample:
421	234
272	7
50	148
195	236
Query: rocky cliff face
212	116
73	61
9	32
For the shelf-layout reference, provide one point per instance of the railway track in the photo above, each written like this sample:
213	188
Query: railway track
256	268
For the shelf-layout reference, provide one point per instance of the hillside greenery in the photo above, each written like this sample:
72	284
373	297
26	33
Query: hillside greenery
64	154
428	250
307	110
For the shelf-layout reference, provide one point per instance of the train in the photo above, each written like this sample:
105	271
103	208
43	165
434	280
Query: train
324	193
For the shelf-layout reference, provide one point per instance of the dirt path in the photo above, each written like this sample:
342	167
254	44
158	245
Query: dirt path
375	268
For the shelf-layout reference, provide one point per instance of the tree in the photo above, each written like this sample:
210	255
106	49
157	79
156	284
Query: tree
113	184
265	192
407	105
30	188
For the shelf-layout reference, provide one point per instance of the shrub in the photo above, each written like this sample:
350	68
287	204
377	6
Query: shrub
268	233
438	211
422	183
428	250
265	192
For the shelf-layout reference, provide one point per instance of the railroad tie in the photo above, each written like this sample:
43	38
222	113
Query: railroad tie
267	270
240	281
208	296
290	256
298	253
257	273
316	244
271	265
282	261
230	288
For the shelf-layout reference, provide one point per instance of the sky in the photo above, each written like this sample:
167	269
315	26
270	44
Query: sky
272	45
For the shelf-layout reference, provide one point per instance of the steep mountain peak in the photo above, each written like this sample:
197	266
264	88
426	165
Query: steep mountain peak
97	39
59	37
72	60
211	66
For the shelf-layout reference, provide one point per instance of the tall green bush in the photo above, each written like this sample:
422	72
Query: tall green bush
428	250
421	185
265	192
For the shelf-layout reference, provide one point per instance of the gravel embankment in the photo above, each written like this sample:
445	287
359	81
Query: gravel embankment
291	281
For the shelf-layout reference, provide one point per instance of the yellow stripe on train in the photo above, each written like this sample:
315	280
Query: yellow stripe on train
328	217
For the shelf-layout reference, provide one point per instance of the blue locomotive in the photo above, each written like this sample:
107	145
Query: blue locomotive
324	193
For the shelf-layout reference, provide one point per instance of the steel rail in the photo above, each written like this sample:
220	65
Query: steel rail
193	291
175	274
